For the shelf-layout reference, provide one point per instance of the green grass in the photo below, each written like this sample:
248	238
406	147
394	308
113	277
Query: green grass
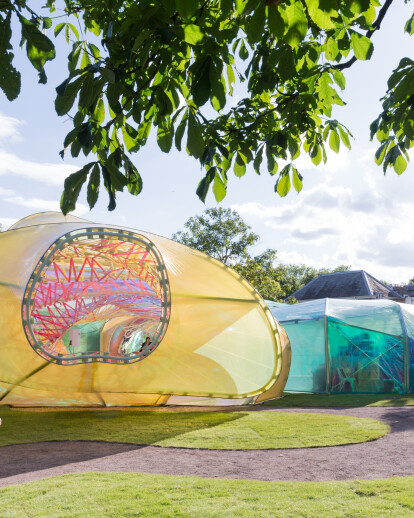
218	430
146	496
342	400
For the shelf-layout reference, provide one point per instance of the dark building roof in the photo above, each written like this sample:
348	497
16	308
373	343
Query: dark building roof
338	285
408	289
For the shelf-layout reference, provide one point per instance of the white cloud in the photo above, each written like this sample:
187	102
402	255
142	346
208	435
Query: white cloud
295	257
6	192
12	164
6	223
304	214
314	235
33	203
52	174
368	226
335	162
44	205
9	128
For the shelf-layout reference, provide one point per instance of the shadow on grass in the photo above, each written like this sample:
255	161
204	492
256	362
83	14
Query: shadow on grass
32	435
398	412
341	400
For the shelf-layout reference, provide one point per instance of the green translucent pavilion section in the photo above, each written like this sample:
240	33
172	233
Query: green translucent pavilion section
97	315
350	346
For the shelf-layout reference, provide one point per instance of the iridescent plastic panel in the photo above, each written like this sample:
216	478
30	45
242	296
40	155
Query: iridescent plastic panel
407	311
369	344
361	360
307	370
378	315
305	324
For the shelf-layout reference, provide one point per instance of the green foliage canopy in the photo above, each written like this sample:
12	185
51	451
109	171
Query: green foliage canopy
263	275
169	66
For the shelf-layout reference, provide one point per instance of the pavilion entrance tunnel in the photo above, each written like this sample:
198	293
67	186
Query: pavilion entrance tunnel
97	296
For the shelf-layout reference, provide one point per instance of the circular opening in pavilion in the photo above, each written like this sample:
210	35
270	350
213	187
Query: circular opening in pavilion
97	295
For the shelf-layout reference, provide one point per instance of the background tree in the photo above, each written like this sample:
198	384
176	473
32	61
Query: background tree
220	233
262	274
385	282
167	65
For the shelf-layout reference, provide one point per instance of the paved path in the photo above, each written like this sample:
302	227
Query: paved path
389	456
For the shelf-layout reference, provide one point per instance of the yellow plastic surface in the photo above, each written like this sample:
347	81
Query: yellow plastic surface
221	340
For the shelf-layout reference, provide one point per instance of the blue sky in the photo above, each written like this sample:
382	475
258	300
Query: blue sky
347	213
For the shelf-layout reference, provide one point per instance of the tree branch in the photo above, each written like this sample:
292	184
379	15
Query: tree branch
376	25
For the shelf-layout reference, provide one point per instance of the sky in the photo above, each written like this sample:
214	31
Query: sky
347	213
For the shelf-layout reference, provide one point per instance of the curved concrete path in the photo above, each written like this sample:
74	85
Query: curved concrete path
389	456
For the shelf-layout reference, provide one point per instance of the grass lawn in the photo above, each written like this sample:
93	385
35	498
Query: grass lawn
130	494
218	430
342	400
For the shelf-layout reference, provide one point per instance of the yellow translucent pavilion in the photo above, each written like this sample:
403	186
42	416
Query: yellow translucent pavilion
97	315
